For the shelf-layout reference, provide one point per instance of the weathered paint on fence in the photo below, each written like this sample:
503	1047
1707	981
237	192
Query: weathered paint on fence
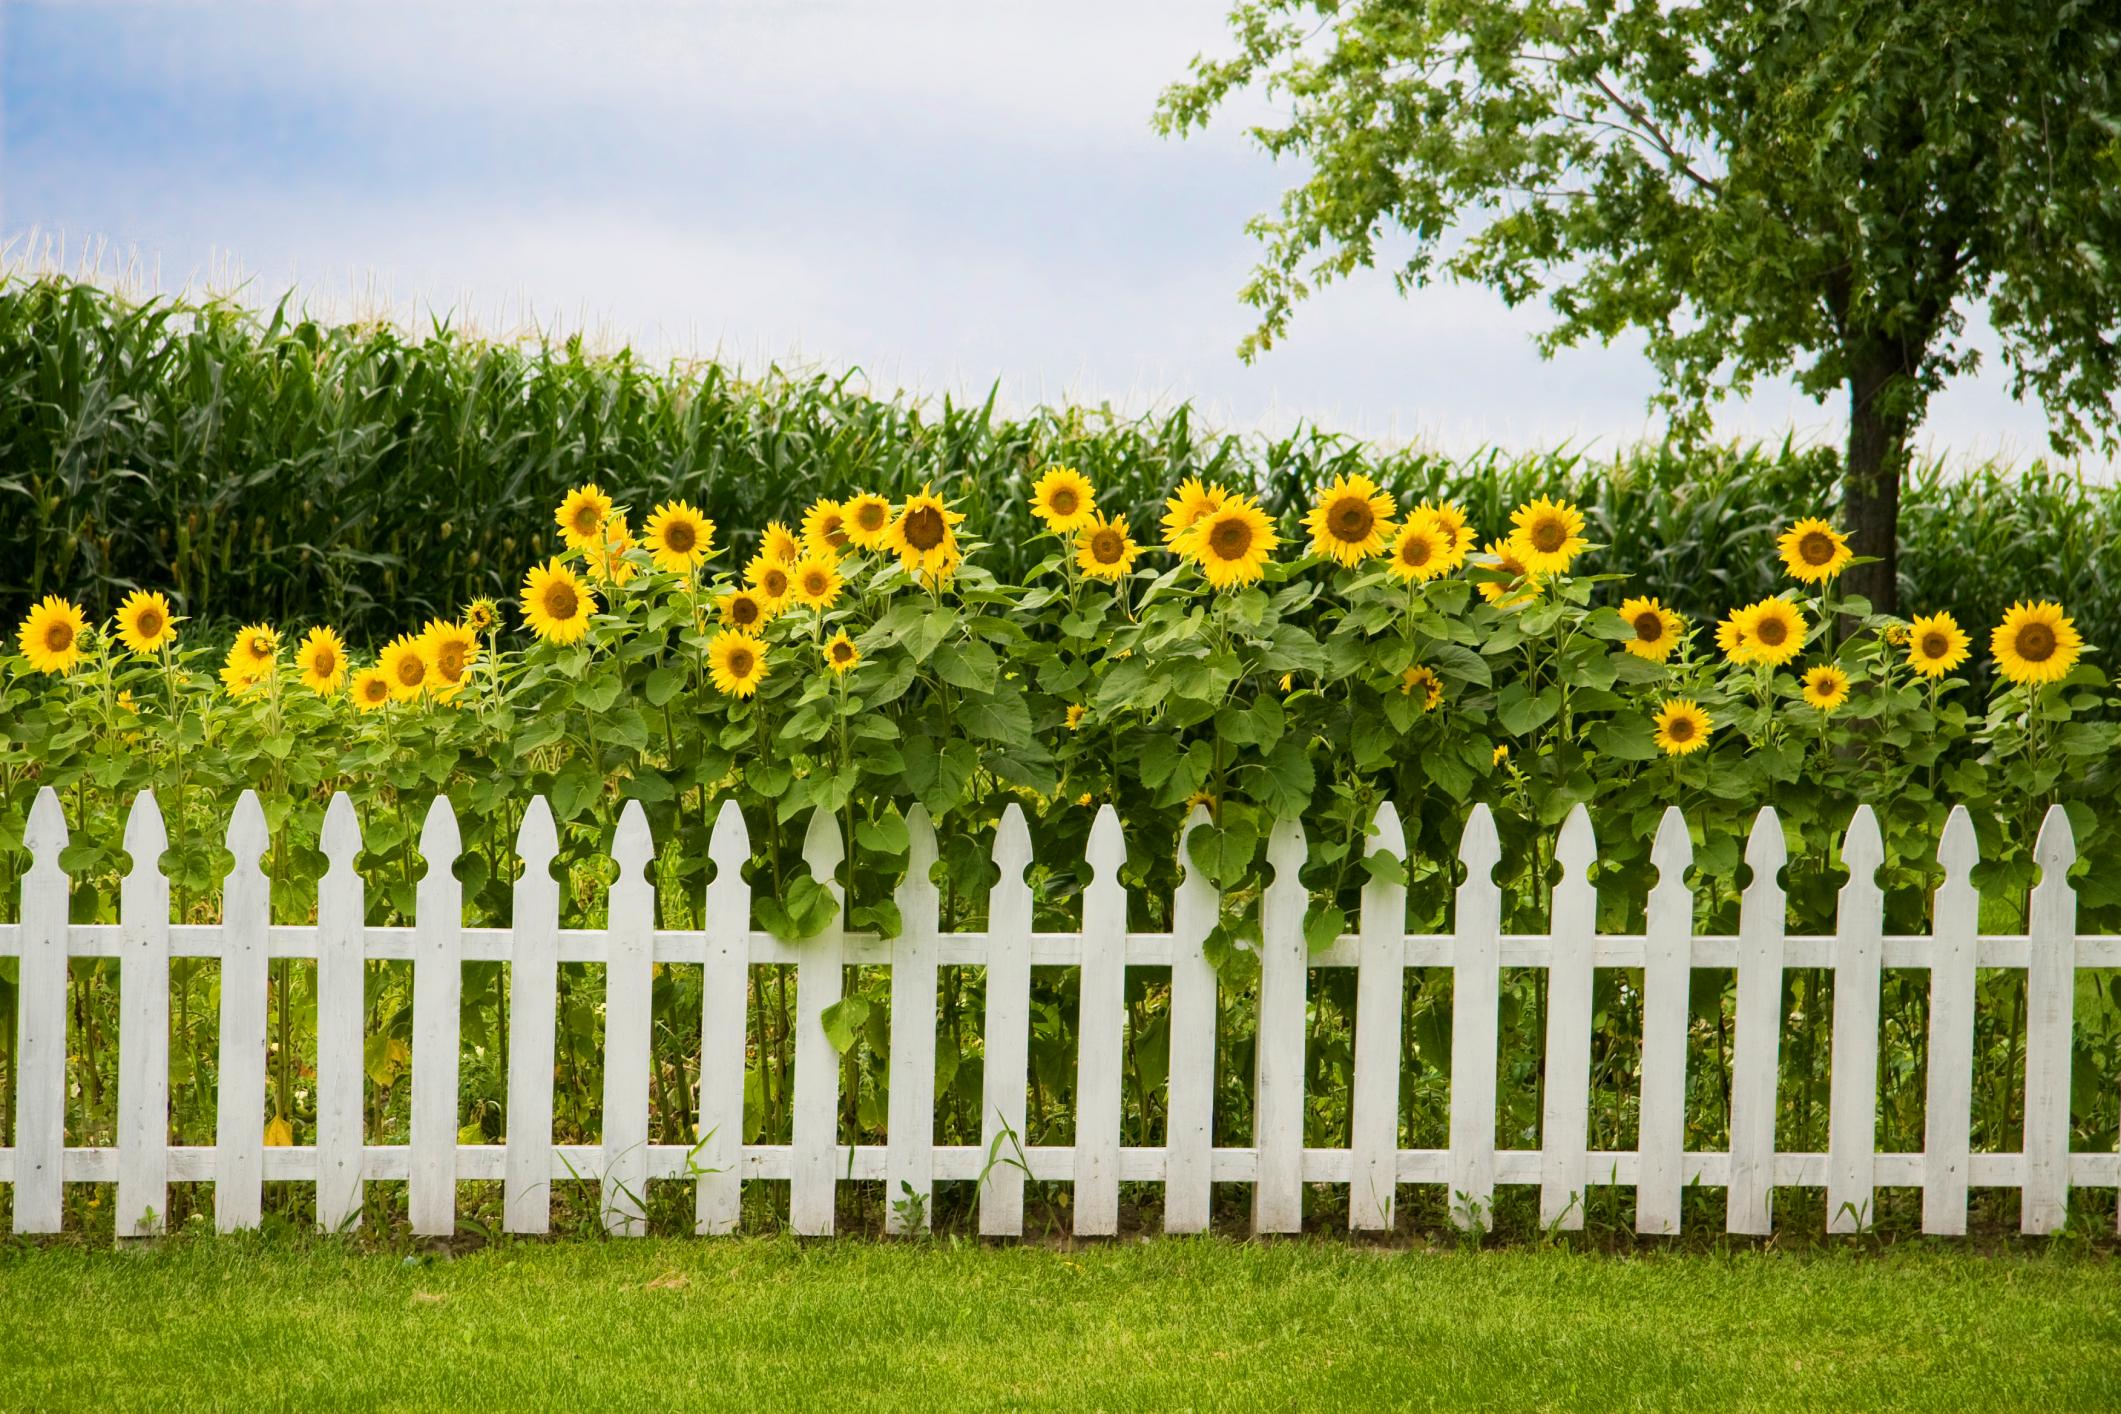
1276	1164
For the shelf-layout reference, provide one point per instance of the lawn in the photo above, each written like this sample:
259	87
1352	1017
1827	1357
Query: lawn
1168	1323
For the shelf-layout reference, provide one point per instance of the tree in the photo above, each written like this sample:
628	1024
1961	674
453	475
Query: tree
1819	187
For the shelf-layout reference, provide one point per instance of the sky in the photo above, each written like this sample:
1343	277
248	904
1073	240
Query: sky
944	196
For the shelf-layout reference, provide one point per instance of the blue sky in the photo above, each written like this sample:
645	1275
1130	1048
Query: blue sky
942	194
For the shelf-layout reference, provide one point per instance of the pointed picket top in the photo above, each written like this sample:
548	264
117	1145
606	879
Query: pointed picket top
1387	836
439	840
822	847
2056	849
1577	849
45	838
1286	852
920	843
1012	846
1959	851
730	844
342	834
1766	851
1107	849
1479	849
1673	853
145	838
537	841
248	839
1195	818
1862	850
633	845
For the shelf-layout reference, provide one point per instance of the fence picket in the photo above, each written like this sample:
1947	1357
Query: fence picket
2050	1000
1005	1080
1380	997
143	1027
1949	1105
909	1160
628	1026
342	907
40	1022
1757	1049
533	1008
437	993
1278	1090
725	986
1476	987
1852	1110
239	1113
820	982
1667	980
1565	1126
1189	1115
1100	1031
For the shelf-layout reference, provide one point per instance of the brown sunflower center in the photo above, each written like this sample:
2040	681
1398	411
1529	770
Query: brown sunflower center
323	662
411	671
375	689
586	519
1649	627
1064	501
1417	551
741	662
743	611
924	528
1935	645
258	646
1548	535
1230	538
815	583
450	659
1106	547
58	636
1772	631
2036	643
870	516
561	602
1680	729
679	537
774	582
1351	519
842	652
832	529
1816	548
148	622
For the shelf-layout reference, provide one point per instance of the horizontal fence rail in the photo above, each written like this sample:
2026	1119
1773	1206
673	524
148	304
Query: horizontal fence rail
1277	1165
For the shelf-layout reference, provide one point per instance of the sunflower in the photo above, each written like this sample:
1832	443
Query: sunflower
1422	550
1813	551
924	536
556	604
825	527
1184	510
480	615
144	622
1075	716
1935	644
1448	517
1231	543
607	554
769	579
736	661
1682	727
1731	637
1423	678
1521	587
840	652
1547	535
1657	629
868	520
321	658
1104	548
255	649
814	581
745	609
1351	520
1502	754
50	635
239	678
405	667
582	514
371	689
2035	643
679	538
1826	687
1774	632
1064	499
778	542
449	650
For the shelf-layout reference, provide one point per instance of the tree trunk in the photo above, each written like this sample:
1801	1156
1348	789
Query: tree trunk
1877	451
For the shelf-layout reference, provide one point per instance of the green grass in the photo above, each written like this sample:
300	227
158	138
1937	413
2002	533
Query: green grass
1165	1324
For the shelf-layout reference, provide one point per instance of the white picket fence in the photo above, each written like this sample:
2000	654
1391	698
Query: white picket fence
1276	1165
